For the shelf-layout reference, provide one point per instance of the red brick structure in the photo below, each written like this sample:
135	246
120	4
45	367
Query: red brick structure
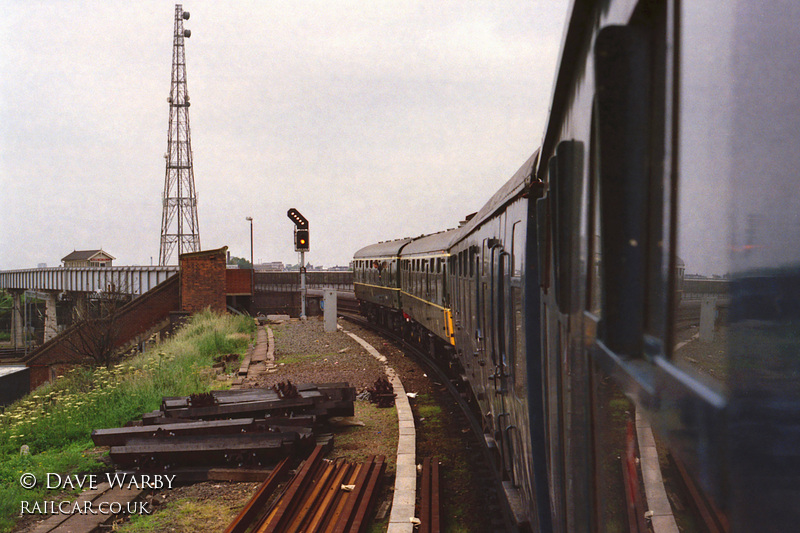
238	282
203	279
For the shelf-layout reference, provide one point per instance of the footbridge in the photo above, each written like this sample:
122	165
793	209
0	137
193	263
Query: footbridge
80	282
133	280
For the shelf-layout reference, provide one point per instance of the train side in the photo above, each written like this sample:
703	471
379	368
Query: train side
670	133
376	280
424	296
669	157
491	265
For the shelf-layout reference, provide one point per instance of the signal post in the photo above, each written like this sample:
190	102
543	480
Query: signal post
301	244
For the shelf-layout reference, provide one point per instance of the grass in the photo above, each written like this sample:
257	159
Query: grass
378	435
181	515
437	436
56	420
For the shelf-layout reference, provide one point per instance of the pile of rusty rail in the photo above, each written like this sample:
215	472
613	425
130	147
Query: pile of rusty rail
321	400
322	497
429	501
247	427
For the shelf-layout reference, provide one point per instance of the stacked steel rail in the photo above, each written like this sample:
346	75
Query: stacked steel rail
243	427
323	497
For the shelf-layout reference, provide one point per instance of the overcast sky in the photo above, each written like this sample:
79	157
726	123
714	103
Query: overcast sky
376	120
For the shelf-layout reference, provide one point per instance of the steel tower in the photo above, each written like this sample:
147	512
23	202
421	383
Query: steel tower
179	226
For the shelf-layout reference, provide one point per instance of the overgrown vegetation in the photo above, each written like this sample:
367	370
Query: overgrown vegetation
55	421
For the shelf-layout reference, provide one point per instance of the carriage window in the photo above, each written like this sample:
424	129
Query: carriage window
472	261
517	338
517	249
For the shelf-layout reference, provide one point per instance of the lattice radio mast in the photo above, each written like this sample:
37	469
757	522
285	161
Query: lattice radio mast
179	226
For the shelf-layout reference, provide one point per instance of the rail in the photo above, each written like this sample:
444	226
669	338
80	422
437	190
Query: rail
323	496
429	505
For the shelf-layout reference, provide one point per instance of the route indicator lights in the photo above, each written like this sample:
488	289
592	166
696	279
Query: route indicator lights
298	219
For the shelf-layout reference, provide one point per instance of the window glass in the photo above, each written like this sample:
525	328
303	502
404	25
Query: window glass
517	249
738	158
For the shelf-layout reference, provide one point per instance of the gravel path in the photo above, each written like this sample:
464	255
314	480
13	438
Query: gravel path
304	353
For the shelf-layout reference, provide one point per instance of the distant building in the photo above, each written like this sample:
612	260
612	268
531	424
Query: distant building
275	266
88	258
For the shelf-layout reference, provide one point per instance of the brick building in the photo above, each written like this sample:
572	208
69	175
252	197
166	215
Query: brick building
203	280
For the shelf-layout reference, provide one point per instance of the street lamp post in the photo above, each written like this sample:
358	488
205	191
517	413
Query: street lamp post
252	265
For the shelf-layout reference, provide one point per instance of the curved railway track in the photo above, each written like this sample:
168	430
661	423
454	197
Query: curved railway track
480	459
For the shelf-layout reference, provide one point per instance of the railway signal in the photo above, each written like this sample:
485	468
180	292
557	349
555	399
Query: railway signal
301	240
301	245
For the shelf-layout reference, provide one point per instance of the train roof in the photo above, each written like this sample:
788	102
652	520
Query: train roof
433	244
512	188
382	249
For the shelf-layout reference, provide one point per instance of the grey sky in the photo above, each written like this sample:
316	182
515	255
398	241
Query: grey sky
376	120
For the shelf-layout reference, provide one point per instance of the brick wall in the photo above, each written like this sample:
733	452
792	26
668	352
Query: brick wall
238	281
203	276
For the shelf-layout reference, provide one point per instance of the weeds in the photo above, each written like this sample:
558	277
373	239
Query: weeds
55	422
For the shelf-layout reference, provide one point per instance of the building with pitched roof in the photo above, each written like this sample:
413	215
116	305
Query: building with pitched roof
88	258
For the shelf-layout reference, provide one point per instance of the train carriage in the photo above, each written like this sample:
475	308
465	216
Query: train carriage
670	132
424	296
376	280
491	264
665	182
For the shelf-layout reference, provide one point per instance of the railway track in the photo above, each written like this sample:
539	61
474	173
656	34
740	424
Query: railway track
479	457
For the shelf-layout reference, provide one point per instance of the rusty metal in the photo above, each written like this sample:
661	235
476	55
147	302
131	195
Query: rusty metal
318	503
286	390
714	519
323	497
256	505
202	399
382	393
360	482
430	508
282	511
436	507
367	499
635	506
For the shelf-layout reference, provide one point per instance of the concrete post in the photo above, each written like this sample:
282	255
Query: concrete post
17	322
50	319
329	301
708	316
80	309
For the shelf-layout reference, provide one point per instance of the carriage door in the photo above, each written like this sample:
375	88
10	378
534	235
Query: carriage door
500	262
